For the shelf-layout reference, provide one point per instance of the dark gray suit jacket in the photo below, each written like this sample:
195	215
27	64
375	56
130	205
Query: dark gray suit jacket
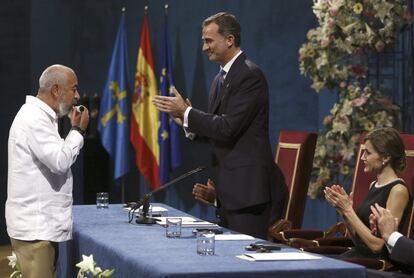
403	253
237	127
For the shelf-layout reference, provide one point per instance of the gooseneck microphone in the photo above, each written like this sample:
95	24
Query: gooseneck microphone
144	202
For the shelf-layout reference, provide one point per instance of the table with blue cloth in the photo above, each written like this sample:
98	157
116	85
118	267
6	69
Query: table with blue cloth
144	251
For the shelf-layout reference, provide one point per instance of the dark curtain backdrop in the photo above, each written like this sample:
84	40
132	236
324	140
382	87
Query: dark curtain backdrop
80	34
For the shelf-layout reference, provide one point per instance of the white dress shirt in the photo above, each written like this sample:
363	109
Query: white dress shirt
226	69
39	184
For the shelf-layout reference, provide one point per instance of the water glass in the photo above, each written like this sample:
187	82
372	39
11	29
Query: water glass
173	227
205	243
102	200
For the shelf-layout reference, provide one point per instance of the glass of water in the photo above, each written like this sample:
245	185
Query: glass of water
102	200
205	243
173	228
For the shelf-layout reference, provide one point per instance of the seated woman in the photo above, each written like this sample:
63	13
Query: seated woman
384	155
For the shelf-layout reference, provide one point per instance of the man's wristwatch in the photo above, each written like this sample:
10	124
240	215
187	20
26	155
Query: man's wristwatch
78	129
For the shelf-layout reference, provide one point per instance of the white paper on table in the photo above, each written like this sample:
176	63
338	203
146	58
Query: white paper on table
233	237
187	222
278	256
163	220
153	209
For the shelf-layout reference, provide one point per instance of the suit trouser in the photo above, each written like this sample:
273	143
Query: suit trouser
36	258
252	220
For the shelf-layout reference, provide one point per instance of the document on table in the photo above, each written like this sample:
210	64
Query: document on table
233	237
155	209
188	222
278	256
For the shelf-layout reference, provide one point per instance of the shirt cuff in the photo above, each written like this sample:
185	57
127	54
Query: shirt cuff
393	238
187	111
189	135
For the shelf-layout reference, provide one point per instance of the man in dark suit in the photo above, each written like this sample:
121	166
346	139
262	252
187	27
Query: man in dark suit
401	248
250	191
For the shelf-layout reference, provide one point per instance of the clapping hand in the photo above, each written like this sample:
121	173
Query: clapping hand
205	193
338	198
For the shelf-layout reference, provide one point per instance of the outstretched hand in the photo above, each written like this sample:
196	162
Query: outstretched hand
175	105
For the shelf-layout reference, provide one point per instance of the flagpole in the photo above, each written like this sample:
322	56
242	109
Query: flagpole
123	177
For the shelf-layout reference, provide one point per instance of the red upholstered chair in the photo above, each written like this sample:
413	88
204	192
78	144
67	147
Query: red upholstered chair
332	243
294	156
360	187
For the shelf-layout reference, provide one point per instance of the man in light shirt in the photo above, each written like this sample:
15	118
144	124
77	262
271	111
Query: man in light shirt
250	191
401	248
39	185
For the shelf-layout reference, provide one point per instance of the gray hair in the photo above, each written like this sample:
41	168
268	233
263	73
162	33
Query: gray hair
55	74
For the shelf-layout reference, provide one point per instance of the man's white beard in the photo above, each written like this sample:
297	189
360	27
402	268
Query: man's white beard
63	111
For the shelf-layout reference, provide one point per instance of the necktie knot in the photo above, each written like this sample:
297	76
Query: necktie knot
222	73
220	81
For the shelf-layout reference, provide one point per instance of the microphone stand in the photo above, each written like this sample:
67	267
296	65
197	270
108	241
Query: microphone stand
145	203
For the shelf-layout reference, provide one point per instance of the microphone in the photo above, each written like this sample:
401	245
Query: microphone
144	202
80	108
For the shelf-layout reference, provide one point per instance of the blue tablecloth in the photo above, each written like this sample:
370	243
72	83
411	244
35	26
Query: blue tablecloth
144	251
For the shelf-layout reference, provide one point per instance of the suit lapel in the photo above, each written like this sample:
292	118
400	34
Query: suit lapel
227	83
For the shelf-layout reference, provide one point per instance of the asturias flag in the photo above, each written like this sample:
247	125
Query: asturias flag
168	133
145	117
114	108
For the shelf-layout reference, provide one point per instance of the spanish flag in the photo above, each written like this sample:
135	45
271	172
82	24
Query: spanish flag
145	117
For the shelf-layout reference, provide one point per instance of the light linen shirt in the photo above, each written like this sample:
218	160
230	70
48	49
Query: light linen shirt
39	184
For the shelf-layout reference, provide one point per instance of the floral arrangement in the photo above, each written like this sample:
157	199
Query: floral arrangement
358	110
86	266
335	57
348	30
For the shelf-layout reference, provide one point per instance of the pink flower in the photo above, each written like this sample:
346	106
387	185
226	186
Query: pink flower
359	101
380	46
325	42
327	120
333	11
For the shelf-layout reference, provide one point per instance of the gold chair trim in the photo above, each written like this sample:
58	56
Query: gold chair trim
297	147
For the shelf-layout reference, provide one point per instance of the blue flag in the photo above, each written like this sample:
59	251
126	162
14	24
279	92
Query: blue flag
168	133
114	110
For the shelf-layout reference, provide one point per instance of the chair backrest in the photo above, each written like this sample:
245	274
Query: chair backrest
408	176
363	180
294	156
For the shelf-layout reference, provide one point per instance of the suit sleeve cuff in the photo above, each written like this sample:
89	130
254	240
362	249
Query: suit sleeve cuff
393	238
187	111
189	135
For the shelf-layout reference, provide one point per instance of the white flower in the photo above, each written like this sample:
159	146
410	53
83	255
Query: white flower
87	264
12	260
